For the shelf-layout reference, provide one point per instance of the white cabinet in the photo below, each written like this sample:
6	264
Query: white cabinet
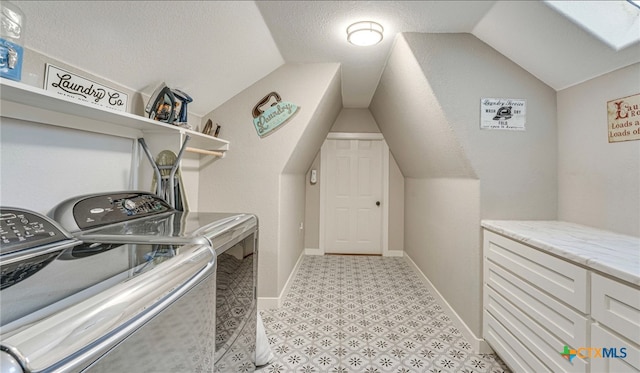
536	303
557	277
616	309
616	305
621	357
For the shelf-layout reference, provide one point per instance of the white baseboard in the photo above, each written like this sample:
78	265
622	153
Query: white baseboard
313	252
265	303
268	303
479	345
396	253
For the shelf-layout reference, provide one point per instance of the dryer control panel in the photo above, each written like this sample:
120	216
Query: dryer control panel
28	242
21	229
98	210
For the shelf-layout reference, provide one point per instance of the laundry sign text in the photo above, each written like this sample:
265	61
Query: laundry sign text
70	85
623	118
503	114
277	113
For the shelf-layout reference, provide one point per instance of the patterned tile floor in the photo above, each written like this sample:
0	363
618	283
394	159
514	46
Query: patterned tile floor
368	314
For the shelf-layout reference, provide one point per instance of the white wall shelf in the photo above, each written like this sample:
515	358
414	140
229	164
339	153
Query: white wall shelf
24	102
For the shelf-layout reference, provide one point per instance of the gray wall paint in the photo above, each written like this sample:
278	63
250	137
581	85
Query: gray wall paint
396	206
409	116
355	120
312	207
290	214
260	175
427	105
442	236
599	182
518	169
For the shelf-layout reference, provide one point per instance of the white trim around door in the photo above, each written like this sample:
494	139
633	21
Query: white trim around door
385	188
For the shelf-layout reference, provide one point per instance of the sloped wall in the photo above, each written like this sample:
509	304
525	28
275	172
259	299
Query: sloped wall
599	182
265	176
427	105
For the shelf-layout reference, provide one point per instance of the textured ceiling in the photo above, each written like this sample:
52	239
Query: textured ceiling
215	49
312	31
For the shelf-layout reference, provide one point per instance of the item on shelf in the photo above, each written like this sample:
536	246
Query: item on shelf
217	132
182	99
12	22
208	127
167	178
161	105
77	87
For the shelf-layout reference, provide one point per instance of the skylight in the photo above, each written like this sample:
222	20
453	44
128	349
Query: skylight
616	23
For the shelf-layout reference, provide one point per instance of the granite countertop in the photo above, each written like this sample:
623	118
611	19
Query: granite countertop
615	254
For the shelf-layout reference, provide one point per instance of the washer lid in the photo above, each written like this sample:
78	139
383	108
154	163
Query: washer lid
213	229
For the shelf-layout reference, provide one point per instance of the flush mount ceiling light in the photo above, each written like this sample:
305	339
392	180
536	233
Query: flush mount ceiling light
364	33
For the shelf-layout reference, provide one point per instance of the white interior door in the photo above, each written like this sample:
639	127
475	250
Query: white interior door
353	212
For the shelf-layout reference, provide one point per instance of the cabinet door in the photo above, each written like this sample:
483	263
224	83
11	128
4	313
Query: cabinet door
601	338
617	306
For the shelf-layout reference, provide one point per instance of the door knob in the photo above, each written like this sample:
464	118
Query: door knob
377	203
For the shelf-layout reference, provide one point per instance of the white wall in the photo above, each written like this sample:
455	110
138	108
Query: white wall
265	176
43	165
598	181
427	106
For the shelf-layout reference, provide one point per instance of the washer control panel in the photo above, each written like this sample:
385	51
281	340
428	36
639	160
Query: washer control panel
98	210
21	229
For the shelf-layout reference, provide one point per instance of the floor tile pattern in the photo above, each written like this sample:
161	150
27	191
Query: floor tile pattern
368	314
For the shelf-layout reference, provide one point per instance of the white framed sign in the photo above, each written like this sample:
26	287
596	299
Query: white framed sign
503	114
68	84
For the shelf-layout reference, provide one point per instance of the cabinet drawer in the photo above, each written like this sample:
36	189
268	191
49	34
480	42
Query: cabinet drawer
509	348
616	305
544	347
567	325
563	280
601	338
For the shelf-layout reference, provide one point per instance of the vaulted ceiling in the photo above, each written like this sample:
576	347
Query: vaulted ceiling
215	49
